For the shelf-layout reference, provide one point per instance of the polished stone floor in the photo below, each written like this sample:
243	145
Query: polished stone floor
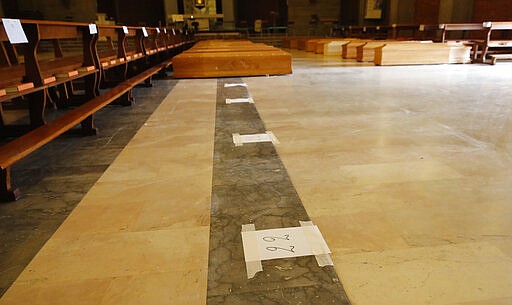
407	172
54	179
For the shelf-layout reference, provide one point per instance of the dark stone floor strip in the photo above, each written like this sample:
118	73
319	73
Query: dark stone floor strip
251	185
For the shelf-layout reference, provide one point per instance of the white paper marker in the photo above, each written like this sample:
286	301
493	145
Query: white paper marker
158	30
235	85
268	136
125	29
93	29
239	100
144	32
14	31
283	243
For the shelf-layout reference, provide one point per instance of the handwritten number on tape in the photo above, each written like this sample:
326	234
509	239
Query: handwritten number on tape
279	248
273	238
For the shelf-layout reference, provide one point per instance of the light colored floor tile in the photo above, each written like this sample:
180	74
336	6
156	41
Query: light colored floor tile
432	275
359	232
184	288
42	292
119	254
141	234
405	170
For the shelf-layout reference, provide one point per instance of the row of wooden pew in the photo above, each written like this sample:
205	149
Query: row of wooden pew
77	67
458	43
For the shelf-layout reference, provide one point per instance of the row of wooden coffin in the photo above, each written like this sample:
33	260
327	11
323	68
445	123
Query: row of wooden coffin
388	53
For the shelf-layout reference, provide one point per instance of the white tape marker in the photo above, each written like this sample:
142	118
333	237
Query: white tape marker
253	265
283	243
239	100
268	136
235	85
314	236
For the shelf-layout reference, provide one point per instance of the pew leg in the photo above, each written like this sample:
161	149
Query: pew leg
88	128
97	84
162	74
37	104
63	96
7	192
70	89
90	86
148	82
53	97
126	99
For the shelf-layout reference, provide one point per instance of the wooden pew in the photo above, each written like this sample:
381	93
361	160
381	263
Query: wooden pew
12	74
394	32
470	34
404	31
462	32
114	58
39	72
17	149
497	47
54	76
428	32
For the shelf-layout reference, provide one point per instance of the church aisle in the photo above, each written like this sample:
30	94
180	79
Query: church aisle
251	186
406	171
140	236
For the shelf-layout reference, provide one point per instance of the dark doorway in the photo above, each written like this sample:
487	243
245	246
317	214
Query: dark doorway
272	12
349	12
134	12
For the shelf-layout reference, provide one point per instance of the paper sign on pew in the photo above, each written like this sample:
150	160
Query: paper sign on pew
173	32
158	30
144	32
93	29
14	31
125	29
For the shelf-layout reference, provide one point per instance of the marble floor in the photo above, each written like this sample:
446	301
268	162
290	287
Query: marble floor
407	172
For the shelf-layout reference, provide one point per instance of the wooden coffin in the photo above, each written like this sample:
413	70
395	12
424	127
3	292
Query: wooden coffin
421	54
224	64
366	52
311	44
349	50
334	48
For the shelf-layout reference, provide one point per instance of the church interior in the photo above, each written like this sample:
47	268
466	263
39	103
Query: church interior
238	152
